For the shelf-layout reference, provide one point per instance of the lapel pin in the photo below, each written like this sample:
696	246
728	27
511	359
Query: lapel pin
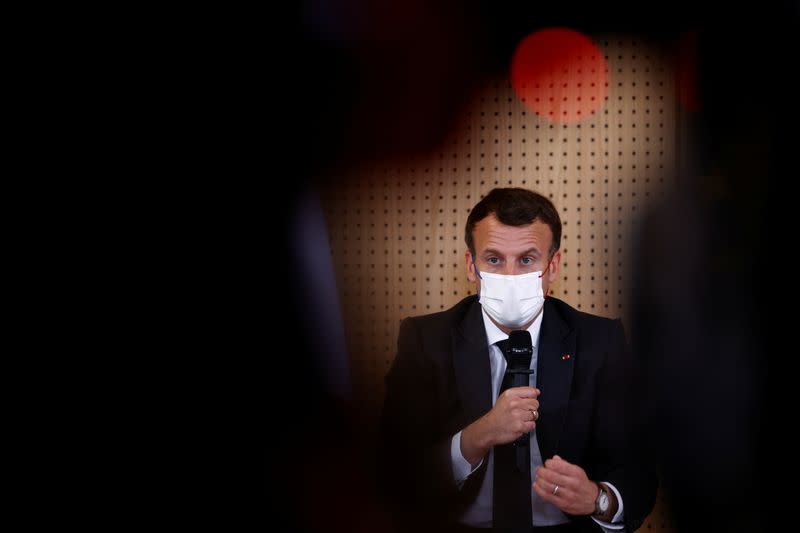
565	357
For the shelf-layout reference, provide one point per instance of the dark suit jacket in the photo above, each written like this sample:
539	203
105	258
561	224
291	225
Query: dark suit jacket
439	383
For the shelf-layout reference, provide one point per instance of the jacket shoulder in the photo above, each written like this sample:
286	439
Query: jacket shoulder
441	322
582	321
449	316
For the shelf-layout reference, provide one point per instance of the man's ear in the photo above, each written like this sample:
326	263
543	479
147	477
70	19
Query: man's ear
552	274
470	267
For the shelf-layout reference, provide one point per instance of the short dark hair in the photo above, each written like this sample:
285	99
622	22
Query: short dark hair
514	206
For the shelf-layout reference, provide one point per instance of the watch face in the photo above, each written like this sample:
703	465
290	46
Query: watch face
603	501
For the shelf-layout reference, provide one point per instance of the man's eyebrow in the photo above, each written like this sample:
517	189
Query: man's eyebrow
530	251
491	251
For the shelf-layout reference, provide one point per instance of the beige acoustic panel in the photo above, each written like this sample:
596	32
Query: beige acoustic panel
397	227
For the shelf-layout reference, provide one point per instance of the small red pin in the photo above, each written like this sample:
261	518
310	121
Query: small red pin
565	357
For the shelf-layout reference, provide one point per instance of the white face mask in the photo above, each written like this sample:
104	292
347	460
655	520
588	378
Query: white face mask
512	301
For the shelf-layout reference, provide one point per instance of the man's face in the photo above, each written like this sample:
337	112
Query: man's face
512	250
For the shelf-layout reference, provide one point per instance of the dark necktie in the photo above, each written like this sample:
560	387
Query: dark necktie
511	507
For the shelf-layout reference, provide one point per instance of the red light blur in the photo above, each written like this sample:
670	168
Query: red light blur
560	74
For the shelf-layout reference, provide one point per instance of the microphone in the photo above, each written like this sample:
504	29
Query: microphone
519	366
521	350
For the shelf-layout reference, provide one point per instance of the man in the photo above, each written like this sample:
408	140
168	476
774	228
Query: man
461	446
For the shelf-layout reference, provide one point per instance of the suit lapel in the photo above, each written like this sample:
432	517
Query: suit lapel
471	365
554	377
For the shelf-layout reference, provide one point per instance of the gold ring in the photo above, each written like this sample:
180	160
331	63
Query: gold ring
555	490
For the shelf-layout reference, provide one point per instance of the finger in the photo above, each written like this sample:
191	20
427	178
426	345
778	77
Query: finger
529	404
556	491
524	419
523	406
538	487
523	403
522	392
553	478
564	467
545	492
524	415
525	412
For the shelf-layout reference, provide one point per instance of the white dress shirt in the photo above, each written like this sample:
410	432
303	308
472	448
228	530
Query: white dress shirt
479	514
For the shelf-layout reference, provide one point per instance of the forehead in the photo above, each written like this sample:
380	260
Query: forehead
491	234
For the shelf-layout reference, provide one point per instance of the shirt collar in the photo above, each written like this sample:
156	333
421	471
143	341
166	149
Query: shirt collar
494	334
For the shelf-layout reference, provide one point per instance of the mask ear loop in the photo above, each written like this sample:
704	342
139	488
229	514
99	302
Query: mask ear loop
474	266
549	262
546	269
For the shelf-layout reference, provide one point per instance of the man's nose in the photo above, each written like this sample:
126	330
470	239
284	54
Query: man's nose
511	269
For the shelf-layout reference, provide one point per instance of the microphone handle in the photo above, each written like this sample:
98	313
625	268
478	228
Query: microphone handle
521	380
522	444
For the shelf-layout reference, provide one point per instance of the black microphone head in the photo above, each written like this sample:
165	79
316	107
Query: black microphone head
521	346
520	338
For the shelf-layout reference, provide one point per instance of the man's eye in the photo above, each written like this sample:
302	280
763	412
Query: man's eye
527	261
493	260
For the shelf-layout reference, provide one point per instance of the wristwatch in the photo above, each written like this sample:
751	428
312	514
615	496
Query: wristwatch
601	503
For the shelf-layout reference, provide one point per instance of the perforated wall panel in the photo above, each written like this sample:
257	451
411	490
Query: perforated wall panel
396	228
